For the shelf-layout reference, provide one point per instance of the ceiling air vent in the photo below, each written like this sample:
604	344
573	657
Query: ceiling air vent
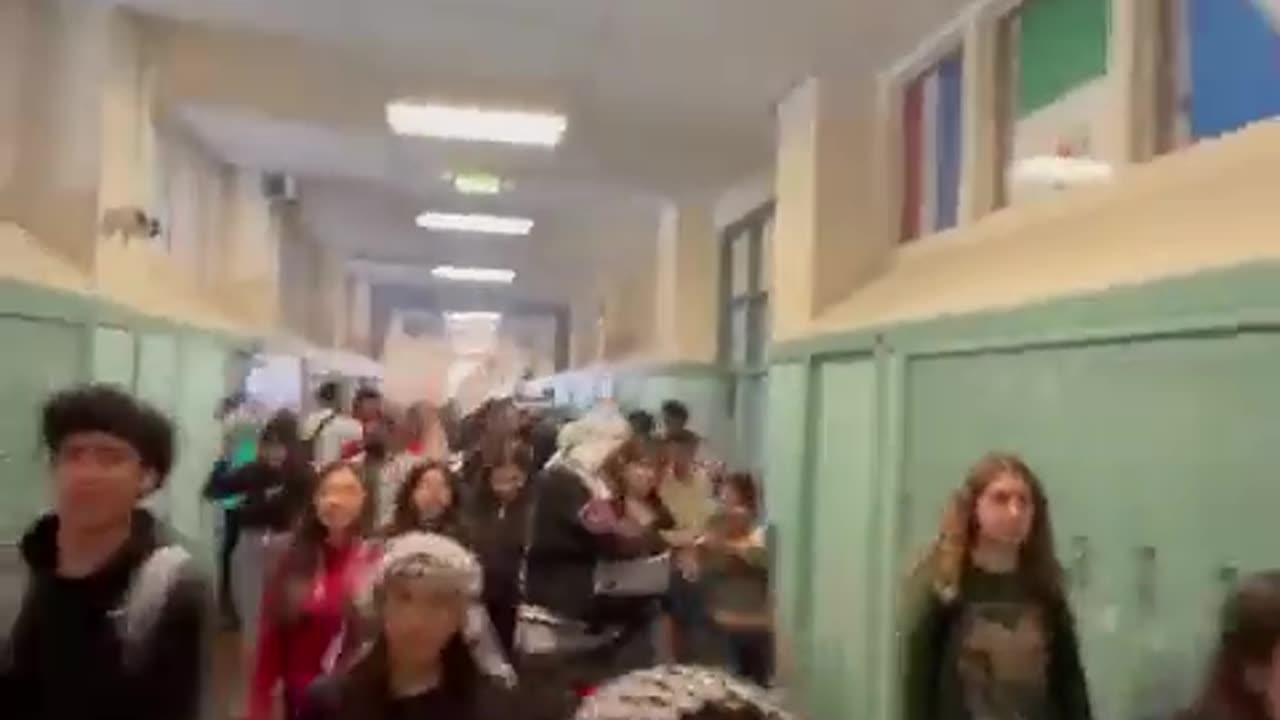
279	188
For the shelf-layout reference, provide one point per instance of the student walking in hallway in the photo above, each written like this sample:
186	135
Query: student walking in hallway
991	635
308	600
115	622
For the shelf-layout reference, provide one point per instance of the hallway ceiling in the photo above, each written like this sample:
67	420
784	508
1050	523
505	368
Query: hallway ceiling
664	98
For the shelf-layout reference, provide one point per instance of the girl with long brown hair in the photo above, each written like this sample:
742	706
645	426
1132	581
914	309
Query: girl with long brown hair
1243	682
428	501
306	608
992	636
498	521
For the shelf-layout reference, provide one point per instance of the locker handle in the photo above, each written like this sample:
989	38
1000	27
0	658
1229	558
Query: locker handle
1228	575
1081	562
1146	578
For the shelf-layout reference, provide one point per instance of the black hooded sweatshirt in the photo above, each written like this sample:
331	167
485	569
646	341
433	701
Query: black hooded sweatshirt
64	658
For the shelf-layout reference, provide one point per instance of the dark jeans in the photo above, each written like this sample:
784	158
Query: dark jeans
687	608
226	600
750	654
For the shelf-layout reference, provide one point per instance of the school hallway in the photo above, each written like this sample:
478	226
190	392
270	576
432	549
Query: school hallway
866	244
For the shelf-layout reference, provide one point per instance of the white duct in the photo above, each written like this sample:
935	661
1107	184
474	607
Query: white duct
1051	171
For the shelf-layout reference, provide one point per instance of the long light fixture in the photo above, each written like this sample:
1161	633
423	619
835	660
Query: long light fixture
474	274
475	223
450	122
463	316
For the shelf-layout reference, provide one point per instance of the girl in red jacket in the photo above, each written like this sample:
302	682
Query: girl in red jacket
308	598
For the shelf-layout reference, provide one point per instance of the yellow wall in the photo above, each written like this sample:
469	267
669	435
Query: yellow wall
49	125
27	260
1211	206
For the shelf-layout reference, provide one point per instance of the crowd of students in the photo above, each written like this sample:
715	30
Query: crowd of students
540	570
596	544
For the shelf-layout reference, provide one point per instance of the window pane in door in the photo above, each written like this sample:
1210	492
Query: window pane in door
755	341
766	256
739	329
740	264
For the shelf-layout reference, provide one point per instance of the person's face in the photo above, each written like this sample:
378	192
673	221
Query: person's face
506	482
730	497
339	500
1005	510
274	454
672	422
368	409
433	495
639	479
419	618
98	478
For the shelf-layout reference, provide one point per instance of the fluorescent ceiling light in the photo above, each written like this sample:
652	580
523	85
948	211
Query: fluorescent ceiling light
474	274
476	183
474	124
461	316
489	224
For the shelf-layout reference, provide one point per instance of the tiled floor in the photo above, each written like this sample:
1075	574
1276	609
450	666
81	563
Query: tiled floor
226	672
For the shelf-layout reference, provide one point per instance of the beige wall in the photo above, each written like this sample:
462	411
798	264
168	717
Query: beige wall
81	133
739	199
829	232
50	121
311	283
1207	207
1203	208
686	284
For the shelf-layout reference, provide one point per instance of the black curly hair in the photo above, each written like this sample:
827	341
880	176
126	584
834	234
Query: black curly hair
110	410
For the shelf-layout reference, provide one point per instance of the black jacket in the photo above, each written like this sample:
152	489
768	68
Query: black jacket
328	699
498	534
65	657
273	497
958	652
562	553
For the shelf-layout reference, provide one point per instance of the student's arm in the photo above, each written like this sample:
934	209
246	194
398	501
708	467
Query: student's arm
558	532
216	474
180	661
921	655
1067	682
230	484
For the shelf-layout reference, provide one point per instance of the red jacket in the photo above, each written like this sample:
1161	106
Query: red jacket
294	653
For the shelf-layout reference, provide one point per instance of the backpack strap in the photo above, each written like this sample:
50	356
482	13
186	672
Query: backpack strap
320	426
145	599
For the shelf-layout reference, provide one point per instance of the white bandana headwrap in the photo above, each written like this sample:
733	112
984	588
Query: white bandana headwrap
671	692
417	554
586	443
421	554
